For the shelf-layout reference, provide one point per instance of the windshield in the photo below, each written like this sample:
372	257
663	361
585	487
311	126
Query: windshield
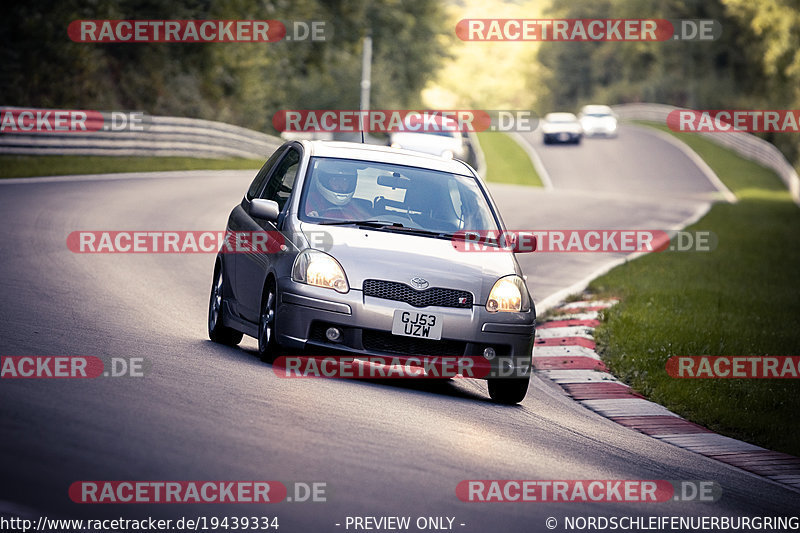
561	118
342	190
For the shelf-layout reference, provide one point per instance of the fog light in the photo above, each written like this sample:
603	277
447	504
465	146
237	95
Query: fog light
489	353
333	334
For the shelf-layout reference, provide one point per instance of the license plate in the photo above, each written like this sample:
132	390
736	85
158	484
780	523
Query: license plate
563	136
419	325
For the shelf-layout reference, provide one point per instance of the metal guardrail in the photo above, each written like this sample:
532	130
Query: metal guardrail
745	144
161	136
188	137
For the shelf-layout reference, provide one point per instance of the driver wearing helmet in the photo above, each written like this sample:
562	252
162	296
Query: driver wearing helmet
331	195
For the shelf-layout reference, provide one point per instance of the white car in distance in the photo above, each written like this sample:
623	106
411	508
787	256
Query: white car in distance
449	144
598	120
561	128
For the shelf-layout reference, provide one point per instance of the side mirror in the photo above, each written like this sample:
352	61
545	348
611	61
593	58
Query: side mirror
519	242
266	209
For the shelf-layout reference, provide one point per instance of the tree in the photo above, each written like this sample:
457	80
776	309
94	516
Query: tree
242	83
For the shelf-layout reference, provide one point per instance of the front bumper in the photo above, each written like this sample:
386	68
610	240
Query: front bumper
304	313
562	137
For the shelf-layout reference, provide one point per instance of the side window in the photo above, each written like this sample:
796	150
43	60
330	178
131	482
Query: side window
261	177
280	185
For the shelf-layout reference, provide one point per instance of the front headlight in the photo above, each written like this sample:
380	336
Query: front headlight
508	294
320	269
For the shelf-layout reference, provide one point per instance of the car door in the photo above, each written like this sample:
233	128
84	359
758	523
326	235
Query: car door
252	266
237	222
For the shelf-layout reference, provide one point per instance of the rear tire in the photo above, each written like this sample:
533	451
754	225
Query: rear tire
217	332
267	345
508	391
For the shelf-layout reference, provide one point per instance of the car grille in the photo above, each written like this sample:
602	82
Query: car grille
382	341
391	290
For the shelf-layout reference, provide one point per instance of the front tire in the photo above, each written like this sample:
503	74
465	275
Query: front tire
267	345
508	391
217	332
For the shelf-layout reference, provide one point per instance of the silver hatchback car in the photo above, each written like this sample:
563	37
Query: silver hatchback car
368	261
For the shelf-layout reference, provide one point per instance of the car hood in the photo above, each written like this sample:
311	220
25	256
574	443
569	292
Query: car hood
377	254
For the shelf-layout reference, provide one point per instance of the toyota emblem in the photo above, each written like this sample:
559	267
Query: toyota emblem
419	283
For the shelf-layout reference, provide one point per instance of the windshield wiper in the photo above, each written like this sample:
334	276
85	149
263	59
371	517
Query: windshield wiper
422	231
369	223
397	226
475	237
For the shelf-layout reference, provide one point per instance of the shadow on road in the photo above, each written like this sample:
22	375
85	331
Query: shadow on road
446	387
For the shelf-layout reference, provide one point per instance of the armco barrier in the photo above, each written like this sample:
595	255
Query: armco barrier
161	136
165	136
745	144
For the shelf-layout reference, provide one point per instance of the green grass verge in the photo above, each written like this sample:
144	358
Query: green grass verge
24	166
743	298
506	161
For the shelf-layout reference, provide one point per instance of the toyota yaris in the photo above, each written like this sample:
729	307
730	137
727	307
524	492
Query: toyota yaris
370	261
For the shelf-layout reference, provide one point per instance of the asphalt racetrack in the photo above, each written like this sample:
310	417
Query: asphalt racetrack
383	448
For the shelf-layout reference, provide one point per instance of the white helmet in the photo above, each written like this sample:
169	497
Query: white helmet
336	187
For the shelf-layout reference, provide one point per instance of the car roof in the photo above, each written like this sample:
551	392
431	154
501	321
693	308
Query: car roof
384	154
596	108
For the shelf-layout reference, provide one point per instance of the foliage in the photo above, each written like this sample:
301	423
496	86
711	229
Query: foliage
754	64
240	83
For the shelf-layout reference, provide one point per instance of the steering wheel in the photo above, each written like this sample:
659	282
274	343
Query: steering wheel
332	210
400	217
